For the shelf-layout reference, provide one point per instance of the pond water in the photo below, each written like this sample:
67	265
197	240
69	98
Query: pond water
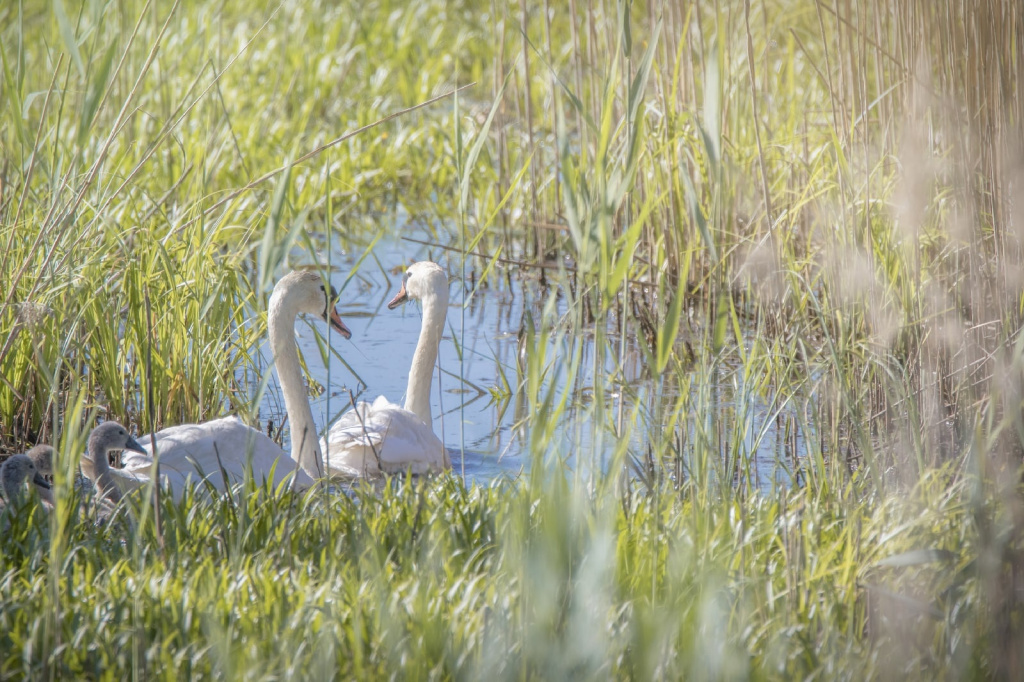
478	411
376	360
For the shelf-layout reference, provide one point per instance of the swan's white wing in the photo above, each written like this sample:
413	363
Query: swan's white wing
138	477
227	443
348	447
382	437
409	444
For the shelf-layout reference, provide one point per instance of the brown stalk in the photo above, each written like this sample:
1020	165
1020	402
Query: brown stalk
540	265
555	100
152	426
524	25
757	120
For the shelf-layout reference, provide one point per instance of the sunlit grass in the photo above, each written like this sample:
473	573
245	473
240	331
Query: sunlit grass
535	579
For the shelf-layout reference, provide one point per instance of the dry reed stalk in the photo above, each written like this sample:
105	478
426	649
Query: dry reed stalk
756	123
556	100
527	98
577	69
502	142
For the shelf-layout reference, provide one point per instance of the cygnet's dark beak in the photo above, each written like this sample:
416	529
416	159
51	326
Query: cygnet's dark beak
133	445
40	481
335	321
401	297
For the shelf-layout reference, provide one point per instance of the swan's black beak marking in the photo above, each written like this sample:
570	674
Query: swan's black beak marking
133	445
40	481
331	316
401	297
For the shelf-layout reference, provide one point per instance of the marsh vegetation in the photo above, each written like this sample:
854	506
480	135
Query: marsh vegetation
751	275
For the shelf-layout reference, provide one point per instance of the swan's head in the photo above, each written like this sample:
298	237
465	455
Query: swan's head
305	292
111	437
42	457
422	280
15	471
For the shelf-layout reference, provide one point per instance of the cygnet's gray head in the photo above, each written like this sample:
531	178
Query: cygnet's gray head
13	474
111	437
42	457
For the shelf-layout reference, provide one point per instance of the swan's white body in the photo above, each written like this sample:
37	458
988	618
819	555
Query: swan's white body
192	452
382	437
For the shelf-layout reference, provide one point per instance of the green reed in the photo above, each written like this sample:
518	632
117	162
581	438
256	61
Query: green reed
799	216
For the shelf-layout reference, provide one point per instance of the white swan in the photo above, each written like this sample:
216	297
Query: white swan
15	471
229	444
384	437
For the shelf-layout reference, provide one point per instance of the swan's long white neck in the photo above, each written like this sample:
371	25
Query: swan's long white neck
417	393
281	323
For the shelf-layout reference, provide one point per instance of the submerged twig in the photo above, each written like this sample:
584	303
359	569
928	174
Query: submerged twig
512	261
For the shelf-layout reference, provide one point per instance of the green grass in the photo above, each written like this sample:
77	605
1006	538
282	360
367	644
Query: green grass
816	202
436	580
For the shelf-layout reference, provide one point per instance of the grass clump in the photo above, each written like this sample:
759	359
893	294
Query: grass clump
433	579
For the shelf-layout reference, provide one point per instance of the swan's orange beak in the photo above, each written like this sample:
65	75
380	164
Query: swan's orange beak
401	297
338	325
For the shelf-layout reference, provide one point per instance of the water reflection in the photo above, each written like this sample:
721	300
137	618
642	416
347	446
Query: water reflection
482	415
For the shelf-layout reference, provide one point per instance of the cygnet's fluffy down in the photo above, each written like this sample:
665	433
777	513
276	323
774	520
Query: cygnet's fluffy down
15	472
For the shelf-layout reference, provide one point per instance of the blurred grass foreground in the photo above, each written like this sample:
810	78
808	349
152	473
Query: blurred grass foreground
827	196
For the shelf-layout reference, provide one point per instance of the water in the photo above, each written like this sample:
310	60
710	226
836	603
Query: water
380	353
485	429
